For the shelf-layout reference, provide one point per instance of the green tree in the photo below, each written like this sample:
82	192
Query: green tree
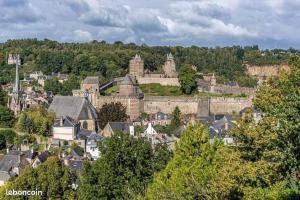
113	112
72	83
53	85
3	97
36	120
176	118
7	118
125	168
9	135
51	177
187	79
2	142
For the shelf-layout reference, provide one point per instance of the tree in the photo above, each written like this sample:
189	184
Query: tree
72	83
2	142
36	120
187	79
3	97
7	118
9	136
176	118
113	112
52	178
53	85
124	169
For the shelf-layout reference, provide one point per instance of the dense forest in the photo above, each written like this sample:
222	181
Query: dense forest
111	60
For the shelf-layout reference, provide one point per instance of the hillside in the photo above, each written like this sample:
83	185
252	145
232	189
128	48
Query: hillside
111	60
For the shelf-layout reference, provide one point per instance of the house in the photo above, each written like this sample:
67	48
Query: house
161	118
256	114
77	108
92	145
41	158
113	127
65	128
150	130
12	164
219	127
35	75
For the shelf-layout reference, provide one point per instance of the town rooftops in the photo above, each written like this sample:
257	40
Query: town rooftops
77	108
91	80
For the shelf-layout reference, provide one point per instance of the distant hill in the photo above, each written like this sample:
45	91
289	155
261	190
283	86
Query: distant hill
111	60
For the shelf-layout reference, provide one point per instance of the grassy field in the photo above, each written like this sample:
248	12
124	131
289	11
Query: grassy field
111	90
156	89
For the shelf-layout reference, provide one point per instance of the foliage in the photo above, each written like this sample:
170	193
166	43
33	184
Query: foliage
2	142
145	116
72	83
3	97
247	81
35	120
176	118
187	79
53	85
9	135
113	112
166	129
112	90
7	118
125	168
51	177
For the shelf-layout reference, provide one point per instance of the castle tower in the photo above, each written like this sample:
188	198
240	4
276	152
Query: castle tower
13	59
169	68
128	86
136	66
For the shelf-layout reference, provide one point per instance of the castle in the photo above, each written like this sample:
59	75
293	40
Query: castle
136	102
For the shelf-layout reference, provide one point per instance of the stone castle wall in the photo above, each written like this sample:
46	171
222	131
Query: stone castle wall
132	104
265	70
162	81
225	105
224	89
167	104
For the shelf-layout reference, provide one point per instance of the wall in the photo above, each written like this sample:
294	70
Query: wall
167	104
224	89
162	81
225	105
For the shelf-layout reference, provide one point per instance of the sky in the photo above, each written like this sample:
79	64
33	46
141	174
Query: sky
267	23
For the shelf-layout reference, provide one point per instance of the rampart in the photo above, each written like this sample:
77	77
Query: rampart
226	105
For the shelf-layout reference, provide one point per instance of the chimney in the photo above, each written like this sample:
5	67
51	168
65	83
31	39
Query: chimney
226	126
61	122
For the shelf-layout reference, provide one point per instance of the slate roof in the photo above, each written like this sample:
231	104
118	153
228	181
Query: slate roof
67	122
77	152
75	165
120	126
91	80
44	156
77	108
126	81
83	134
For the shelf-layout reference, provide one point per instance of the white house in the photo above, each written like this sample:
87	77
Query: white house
66	129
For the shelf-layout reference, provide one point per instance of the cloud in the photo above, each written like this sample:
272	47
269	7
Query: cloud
269	23
18	11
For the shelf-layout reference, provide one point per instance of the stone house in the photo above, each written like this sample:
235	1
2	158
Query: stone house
77	108
114	127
